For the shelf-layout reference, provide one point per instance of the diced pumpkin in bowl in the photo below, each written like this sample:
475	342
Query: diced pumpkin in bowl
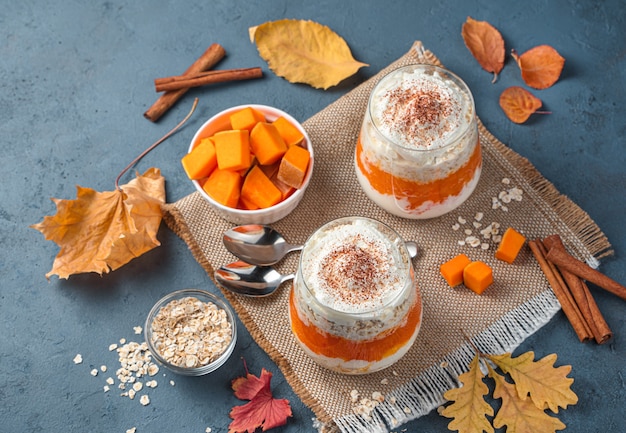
293	166
224	186
284	189
259	190
246	118
244	203
477	276
288	131
201	161
510	245
233	149
266	143
452	270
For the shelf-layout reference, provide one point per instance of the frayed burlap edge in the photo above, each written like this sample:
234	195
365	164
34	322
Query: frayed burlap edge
586	238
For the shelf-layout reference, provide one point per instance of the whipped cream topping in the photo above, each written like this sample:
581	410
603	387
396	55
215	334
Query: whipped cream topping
353	268
419	110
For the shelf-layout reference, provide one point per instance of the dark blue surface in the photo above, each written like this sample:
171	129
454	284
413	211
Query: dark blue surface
75	79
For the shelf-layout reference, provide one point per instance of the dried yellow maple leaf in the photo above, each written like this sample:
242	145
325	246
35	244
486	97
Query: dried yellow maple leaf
469	410
305	52
101	231
520	416
548	387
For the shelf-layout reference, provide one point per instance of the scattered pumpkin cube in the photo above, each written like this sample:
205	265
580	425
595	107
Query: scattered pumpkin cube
201	161
288	131
224	187
233	149
246	118
510	245
259	190
266	143
293	166
477	276
452	270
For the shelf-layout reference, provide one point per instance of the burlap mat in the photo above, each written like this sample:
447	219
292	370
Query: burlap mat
516	305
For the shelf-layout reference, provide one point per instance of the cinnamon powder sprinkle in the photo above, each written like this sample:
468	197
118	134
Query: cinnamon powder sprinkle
353	270
418	112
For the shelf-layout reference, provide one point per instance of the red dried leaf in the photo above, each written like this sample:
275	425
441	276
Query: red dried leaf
263	410
518	104
486	45
540	66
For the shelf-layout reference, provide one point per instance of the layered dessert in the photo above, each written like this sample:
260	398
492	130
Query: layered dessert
418	153
354	307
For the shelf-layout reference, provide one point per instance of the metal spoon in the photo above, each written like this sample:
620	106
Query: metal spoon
257	244
250	280
263	246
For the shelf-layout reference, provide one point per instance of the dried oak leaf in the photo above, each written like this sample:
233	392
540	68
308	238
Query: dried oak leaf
305	52
540	66
101	231
486	44
548	387
263	410
520	416
518	103
469	408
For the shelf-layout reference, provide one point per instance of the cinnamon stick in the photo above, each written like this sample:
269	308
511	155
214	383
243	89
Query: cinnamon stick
582	295
569	306
204	78
207	60
560	257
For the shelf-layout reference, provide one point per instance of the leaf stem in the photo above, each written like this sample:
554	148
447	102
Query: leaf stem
159	141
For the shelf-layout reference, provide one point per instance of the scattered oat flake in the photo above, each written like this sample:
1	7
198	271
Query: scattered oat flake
94	372
138	330
78	359
122	341
506	180
171	382
208	430
131	430
461	220
407	409
144	400
384	381
106	388
103	368
112	347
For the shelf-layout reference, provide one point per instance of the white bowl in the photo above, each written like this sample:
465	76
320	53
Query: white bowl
221	121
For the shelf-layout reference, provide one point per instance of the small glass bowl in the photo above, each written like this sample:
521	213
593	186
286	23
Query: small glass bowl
204	297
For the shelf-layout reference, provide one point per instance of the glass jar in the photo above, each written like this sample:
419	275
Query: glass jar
418	155
355	307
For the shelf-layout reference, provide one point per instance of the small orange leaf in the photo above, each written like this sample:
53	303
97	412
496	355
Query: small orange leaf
518	104
540	66
101	231
485	43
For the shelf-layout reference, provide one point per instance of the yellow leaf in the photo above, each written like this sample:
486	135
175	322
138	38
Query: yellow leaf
469	409
549	388
520	415
101	231
305	52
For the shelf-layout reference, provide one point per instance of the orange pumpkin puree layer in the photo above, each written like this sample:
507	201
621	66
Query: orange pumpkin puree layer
417	193
332	346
